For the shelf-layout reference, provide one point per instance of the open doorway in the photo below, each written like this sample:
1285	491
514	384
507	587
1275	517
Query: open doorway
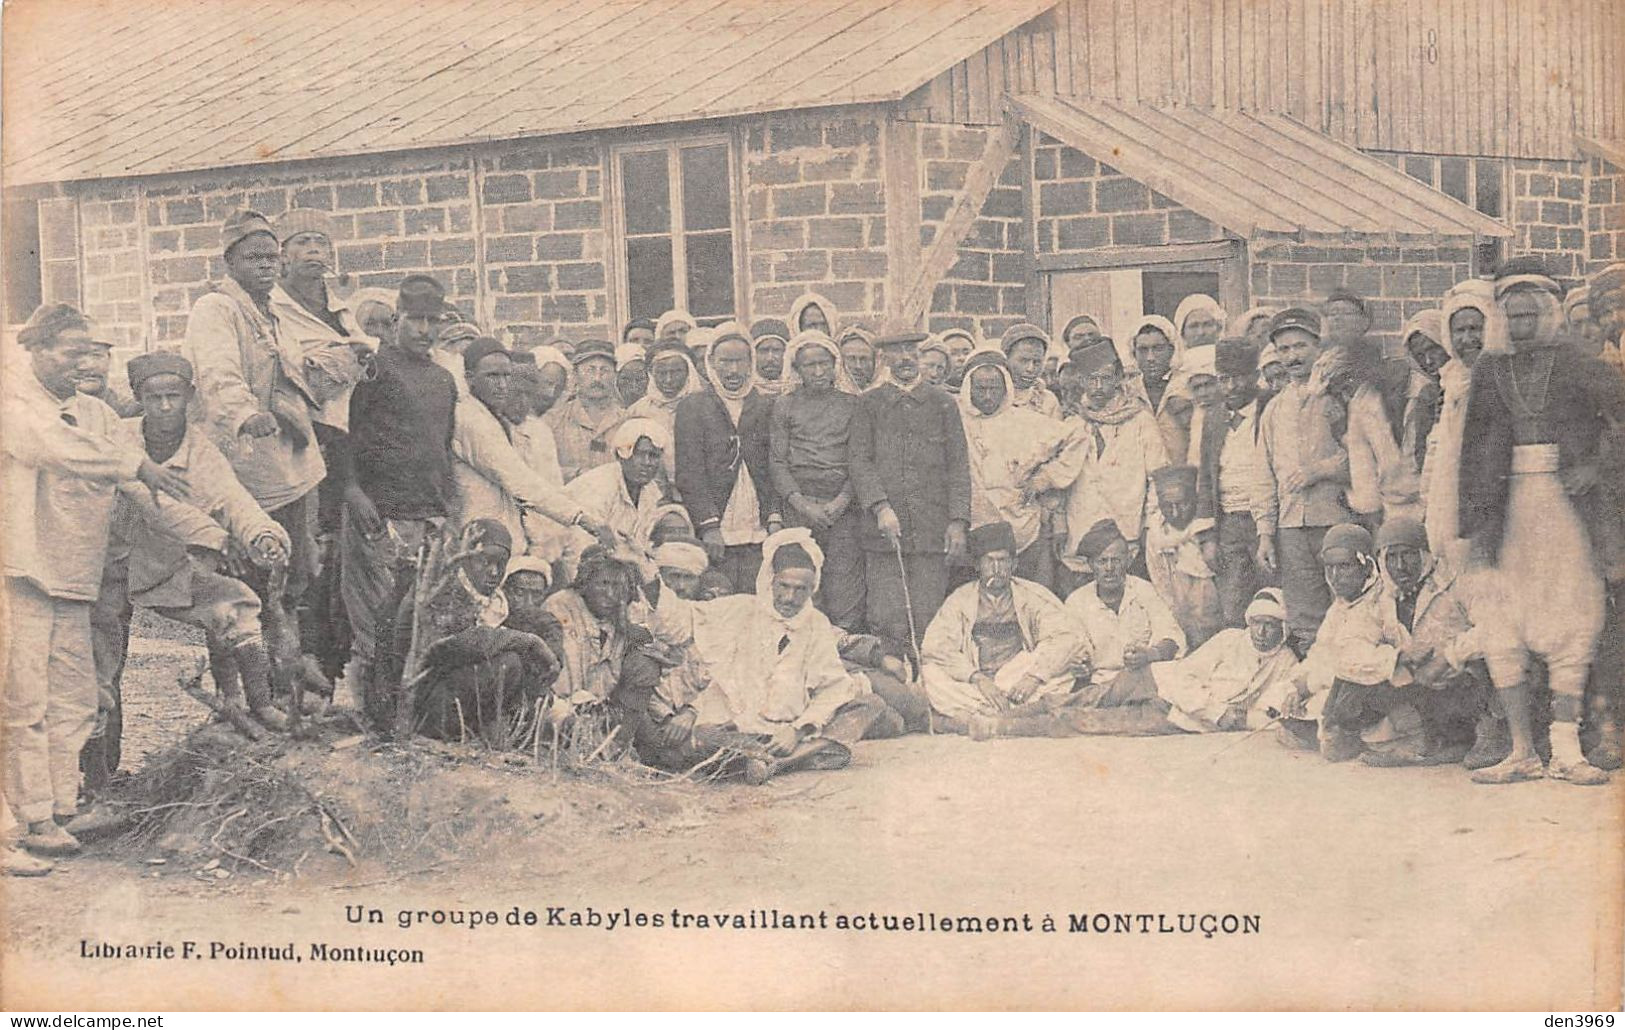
1119	287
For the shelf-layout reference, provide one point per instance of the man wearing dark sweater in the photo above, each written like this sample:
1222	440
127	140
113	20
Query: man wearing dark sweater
398	468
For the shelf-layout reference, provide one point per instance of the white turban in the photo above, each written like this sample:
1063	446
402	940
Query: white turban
529	563
1267	604
627	353
626	437
1201	361
682	556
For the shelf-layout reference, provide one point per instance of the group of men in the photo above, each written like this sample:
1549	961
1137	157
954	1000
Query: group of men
749	546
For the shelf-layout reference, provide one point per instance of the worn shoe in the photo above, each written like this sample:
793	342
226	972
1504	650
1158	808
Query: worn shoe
95	820
830	755
1583	773
1511	770
1393	759
269	717
17	862
758	771
1297	735
1604	754
1340	745
51	840
1491	744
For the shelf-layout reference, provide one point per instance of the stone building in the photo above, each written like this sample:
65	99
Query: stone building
971	163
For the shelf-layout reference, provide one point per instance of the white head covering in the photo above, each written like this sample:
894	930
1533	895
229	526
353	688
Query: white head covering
529	563
1198	302
699	341
731	331
1551	313
675	315
628	433
1201	361
547	355
790	535
1268	603
812	300
627	353
371	295
843	376
1240	324
968	411
801	341
682	556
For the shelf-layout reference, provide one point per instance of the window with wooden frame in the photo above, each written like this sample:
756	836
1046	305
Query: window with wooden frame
675	229
40	259
1478	182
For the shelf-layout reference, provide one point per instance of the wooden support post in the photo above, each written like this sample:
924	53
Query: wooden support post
979	182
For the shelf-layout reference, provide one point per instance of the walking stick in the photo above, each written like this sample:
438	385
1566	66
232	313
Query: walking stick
913	632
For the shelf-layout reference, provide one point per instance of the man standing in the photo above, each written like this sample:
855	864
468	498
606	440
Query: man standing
1383	482
65	456
1025	347
172	565
337	353
1232	486
583	424
493	480
1535	506
1307	470
252	394
1121	446
397	472
911	479
722	461
809	446
772	338
1016	456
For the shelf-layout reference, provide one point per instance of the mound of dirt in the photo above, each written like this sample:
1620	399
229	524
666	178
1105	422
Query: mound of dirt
351	808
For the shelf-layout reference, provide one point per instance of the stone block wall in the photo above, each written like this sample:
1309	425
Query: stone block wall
1548	215
1399	275
815	213
416	217
985	290
1085	204
543	230
1605	214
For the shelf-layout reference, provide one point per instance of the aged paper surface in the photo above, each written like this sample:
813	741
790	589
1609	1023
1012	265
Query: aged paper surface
495	147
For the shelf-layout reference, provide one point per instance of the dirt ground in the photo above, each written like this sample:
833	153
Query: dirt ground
1372	889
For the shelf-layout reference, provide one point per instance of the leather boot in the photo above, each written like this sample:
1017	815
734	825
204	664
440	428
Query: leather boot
1491	743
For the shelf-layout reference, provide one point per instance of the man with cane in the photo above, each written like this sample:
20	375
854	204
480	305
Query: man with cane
911	478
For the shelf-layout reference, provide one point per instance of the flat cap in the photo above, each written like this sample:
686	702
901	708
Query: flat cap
303	219
156	363
242	224
421	295
1345	542
48	320
482	348
586	350
905	338
1295	318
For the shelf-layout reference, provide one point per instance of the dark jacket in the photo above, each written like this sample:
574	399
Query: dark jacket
908	448
709	450
1583	397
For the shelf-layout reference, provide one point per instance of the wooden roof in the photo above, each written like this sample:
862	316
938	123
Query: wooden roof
112	88
1252	172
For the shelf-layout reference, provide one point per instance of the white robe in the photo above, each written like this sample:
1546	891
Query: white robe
948	655
1222	675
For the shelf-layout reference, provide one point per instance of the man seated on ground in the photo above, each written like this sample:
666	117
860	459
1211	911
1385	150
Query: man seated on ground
1350	681
1238	680
775	697
996	658
606	672
468	676
1445	657
1125	628
169	559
